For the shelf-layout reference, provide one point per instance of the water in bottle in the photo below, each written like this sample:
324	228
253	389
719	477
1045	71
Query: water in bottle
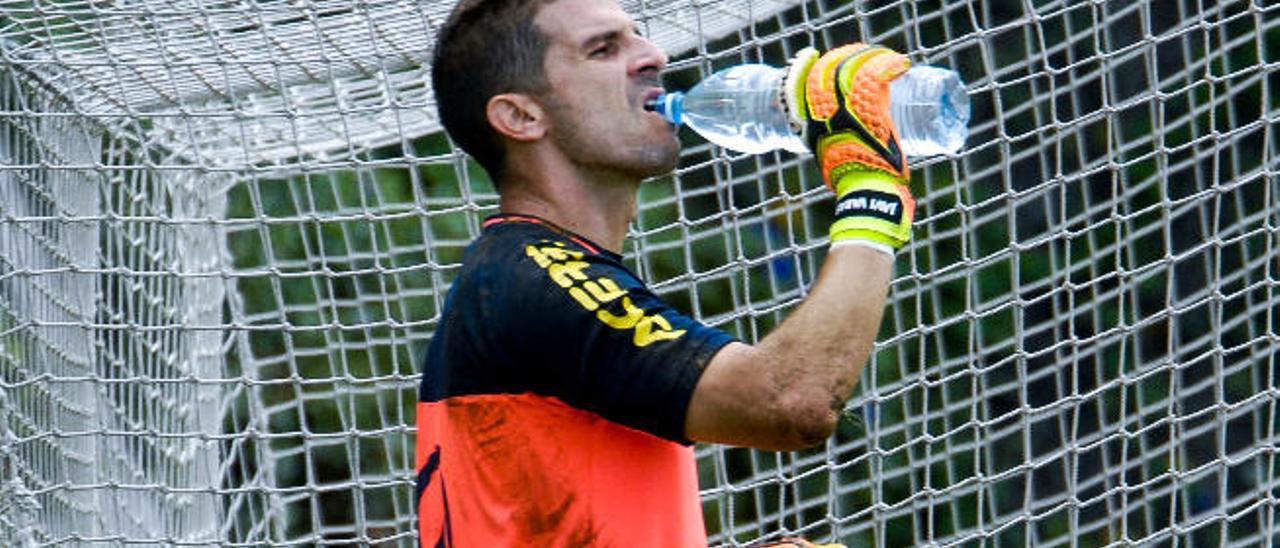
740	108
930	107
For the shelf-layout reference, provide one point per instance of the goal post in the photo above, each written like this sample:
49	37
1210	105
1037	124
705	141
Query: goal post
227	229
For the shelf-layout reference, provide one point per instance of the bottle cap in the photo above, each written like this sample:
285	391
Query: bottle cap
669	105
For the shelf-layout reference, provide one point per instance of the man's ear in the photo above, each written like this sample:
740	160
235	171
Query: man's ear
517	116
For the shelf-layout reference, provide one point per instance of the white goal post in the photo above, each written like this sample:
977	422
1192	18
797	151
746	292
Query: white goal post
227	228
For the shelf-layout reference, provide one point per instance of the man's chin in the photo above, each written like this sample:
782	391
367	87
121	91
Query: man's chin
657	158
662	159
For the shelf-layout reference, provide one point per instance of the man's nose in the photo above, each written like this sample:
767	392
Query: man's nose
651	58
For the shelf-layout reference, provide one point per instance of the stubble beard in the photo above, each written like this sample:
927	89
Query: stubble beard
597	145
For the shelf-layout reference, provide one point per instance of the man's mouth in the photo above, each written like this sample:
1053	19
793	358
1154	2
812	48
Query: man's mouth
648	100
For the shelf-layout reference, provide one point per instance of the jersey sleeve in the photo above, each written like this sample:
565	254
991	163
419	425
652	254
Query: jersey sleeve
581	327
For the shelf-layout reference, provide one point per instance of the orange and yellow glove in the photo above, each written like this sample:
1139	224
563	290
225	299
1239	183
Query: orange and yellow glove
840	103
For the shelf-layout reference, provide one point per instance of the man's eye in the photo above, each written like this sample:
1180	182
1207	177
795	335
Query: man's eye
603	51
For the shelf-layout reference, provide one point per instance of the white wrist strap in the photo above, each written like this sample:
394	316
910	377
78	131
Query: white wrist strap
883	248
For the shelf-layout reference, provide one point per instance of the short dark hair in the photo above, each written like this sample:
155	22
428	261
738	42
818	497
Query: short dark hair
486	48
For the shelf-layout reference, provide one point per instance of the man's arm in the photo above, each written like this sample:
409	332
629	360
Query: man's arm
787	391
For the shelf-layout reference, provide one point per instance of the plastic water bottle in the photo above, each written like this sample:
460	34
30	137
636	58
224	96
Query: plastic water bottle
740	108
930	108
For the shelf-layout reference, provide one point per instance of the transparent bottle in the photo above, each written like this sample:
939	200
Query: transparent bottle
740	108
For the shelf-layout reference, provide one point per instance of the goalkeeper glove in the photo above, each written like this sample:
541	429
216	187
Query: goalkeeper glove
840	103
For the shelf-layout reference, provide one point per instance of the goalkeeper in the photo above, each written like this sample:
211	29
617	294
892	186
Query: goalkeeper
560	396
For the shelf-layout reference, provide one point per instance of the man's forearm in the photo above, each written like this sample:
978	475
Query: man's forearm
786	392
819	352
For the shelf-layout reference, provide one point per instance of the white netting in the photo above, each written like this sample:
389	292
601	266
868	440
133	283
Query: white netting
226	229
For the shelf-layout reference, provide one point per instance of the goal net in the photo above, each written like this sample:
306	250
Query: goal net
227	228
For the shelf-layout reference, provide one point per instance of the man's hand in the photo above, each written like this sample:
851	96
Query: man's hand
840	102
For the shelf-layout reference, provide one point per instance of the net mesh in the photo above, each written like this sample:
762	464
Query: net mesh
226	230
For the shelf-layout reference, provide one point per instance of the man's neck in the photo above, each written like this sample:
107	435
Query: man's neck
599	211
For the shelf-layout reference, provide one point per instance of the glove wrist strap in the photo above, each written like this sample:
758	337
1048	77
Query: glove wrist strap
873	206
858	242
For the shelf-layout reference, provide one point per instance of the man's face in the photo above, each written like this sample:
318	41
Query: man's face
600	72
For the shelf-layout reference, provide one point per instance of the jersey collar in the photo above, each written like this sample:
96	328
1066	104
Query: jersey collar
502	218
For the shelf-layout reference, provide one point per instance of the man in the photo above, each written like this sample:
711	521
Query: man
560	395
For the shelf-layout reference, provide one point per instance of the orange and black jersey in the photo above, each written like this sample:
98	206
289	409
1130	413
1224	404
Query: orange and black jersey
553	400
